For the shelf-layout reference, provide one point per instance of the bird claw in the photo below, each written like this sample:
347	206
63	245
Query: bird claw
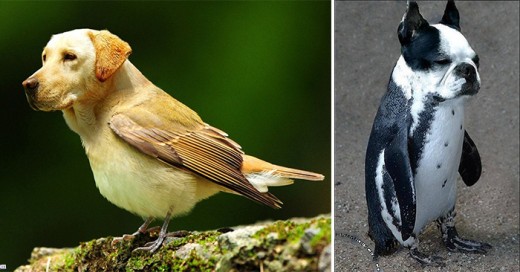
124	238
151	247
468	246
454	242
427	260
155	245
130	237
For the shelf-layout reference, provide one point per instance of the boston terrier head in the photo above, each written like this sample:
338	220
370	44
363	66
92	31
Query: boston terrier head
436	59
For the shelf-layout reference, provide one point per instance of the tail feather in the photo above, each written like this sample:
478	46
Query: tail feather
262	175
297	174
252	165
262	180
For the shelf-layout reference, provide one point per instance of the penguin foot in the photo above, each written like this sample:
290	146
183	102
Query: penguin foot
454	242
457	243
427	260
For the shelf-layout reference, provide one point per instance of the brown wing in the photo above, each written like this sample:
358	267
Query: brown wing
206	152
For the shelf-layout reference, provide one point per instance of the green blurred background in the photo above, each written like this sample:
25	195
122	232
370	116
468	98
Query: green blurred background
261	71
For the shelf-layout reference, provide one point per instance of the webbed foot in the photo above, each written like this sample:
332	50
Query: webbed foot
427	260
454	242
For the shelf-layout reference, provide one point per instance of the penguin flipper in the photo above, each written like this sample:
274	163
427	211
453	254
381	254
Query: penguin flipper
470	166
397	164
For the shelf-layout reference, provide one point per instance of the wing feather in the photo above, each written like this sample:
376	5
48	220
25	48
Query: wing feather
397	163
470	167
205	151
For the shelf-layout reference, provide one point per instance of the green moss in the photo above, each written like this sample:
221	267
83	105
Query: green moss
281	228
201	238
323	237
68	261
285	244
290	231
282	245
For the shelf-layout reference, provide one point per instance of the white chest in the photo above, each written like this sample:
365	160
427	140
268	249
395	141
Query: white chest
141	184
435	179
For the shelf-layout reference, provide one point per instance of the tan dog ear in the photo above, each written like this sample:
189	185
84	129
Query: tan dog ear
111	53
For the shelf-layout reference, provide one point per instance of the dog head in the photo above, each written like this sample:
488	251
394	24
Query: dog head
436	59
75	66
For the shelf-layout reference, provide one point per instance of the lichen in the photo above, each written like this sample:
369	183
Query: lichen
283	244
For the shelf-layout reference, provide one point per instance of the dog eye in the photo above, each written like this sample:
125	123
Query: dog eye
44	57
69	56
442	61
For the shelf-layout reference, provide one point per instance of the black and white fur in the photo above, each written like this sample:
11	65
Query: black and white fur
418	142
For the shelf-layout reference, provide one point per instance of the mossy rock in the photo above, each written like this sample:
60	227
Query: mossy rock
297	244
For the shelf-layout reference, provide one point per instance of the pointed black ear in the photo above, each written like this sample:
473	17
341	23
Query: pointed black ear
451	16
411	23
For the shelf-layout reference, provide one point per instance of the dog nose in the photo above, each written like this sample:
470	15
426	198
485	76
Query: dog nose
465	70
470	74
30	84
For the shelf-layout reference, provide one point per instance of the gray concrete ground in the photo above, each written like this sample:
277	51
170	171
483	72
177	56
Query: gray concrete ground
366	48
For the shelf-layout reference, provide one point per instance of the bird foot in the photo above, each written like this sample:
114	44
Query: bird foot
130	237
457	243
153	246
454	242
427	260
125	237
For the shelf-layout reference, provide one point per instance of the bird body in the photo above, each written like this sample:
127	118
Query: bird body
149	153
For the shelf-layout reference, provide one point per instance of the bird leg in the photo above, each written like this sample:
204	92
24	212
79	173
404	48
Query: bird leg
154	245
454	242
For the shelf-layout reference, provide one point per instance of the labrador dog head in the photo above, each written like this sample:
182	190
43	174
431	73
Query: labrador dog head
77	66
